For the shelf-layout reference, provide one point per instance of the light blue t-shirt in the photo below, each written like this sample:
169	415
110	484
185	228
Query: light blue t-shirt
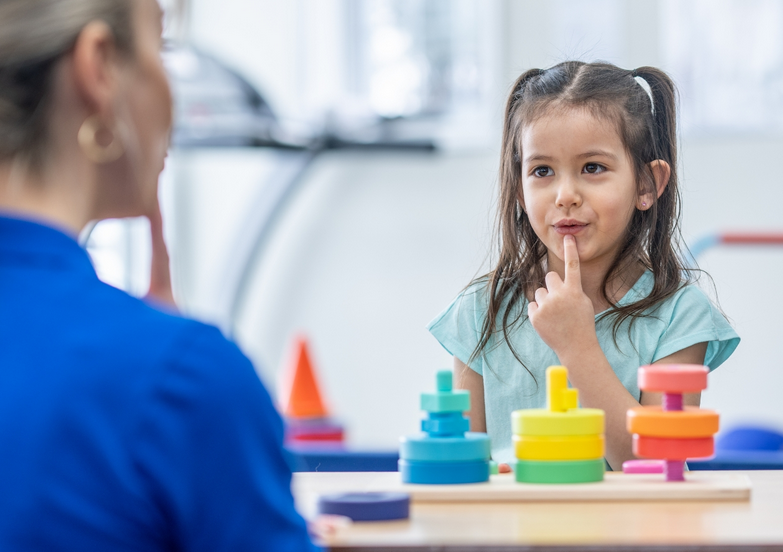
684	319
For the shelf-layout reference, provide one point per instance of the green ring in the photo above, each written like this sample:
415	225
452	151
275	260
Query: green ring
559	471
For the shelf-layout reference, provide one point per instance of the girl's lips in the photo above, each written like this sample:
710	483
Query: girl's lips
570	229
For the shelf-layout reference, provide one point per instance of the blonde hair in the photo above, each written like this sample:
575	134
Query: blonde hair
34	35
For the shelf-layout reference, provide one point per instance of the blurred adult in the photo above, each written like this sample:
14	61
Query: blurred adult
121	427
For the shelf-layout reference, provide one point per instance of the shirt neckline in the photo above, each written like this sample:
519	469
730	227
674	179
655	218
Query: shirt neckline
29	242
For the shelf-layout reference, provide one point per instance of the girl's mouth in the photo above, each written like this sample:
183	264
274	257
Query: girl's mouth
564	227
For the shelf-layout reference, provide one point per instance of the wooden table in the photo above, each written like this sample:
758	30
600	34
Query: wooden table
594	526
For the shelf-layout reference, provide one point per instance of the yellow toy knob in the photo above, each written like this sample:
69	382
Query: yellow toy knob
559	397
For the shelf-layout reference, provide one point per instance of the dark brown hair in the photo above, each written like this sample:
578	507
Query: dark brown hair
34	35
648	132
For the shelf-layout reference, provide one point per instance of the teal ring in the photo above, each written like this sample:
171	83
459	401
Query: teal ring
424	448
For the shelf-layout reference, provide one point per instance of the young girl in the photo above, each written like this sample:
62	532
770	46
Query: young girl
589	273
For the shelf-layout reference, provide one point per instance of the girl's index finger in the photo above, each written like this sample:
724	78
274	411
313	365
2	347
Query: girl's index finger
573	275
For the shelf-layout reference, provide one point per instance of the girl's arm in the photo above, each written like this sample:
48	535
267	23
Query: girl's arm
610	395
692	355
599	387
564	318
465	378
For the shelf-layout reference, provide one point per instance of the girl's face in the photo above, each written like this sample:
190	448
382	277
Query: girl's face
577	179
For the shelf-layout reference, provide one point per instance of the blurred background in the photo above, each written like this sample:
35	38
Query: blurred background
333	173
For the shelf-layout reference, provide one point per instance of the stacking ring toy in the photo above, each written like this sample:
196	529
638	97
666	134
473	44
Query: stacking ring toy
672	433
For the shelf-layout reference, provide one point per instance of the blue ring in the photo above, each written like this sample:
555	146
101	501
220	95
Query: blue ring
366	506
446	426
443	473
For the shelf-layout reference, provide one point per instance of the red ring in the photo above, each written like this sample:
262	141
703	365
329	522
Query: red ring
672	449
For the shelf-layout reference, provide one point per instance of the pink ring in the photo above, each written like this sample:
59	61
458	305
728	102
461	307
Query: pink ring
673	378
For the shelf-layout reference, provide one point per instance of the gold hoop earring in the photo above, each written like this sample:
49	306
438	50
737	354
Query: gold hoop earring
88	141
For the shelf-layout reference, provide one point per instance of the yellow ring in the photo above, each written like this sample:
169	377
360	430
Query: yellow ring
580	447
579	421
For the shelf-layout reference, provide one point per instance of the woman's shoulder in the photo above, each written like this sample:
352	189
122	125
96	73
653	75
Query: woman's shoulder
136	333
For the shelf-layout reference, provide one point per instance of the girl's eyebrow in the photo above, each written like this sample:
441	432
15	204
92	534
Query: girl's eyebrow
598	153
591	153
538	158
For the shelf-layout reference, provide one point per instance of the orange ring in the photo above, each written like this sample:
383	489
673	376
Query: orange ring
692	422
673	378
672	449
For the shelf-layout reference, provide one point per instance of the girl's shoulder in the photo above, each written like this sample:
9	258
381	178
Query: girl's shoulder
690	297
687	317
468	306
460	325
474	300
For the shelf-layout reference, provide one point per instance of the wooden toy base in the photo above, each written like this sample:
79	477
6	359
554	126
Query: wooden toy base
700	485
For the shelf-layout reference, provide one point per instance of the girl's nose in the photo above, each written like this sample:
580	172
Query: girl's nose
568	195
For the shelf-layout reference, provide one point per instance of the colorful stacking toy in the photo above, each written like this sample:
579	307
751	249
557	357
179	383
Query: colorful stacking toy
562	443
671	432
307	419
445	452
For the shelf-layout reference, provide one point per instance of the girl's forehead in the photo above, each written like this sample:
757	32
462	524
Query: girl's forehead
569	131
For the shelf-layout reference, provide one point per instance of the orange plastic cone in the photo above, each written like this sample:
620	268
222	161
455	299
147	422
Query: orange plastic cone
300	396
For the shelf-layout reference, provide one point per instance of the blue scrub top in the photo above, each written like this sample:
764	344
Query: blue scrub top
125	428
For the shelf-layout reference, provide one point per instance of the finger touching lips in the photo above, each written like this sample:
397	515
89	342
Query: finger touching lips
571	258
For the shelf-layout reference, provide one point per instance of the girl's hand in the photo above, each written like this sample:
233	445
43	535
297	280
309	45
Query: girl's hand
562	314
327	525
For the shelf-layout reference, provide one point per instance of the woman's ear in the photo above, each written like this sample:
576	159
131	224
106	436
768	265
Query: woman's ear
94	59
661	172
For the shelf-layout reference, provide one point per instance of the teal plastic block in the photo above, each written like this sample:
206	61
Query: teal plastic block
443	380
423	448
443	473
446	401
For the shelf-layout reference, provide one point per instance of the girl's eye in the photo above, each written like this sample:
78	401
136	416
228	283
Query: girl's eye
594	168
541	172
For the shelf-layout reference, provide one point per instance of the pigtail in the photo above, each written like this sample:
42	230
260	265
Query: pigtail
663	238
511	166
664	99
512	231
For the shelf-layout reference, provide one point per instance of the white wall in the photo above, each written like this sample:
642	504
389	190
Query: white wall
732	185
374	247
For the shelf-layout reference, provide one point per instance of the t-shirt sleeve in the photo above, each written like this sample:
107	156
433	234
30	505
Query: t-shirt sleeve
694	319
210	450
458	328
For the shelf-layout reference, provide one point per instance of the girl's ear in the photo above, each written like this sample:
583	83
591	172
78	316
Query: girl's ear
661	172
